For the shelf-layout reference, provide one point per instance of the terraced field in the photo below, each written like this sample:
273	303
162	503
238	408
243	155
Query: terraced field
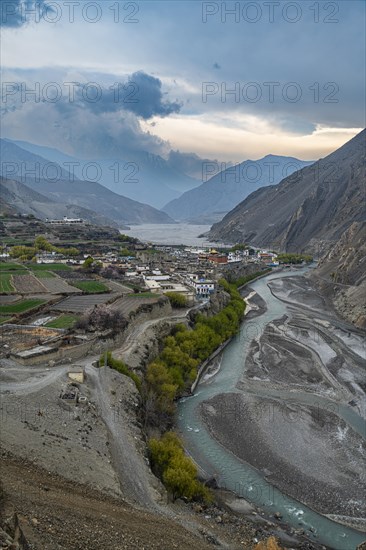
50	267
127	304
56	285
6	282
40	274
7	266
21	306
28	284
92	287
79	304
5	319
64	321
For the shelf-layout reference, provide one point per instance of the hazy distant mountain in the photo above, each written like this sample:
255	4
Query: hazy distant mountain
57	184
308	212
15	197
138	175
225	190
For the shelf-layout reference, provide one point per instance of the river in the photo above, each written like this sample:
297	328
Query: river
171	234
237	475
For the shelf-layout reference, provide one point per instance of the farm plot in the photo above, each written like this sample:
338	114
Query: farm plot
5	319
71	275
118	287
50	267
91	287
64	321
28	284
56	285
128	304
7	266
20	307
6	282
10	299
79	304
40	274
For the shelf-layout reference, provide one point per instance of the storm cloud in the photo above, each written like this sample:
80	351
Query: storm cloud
140	94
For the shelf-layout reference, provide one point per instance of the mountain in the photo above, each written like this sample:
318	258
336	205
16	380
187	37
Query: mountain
308	212
17	198
59	185
226	189
135	174
341	274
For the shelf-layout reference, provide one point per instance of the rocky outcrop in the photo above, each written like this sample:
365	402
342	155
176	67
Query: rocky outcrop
12	534
341	274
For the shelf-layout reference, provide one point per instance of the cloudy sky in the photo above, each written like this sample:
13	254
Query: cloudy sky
226	80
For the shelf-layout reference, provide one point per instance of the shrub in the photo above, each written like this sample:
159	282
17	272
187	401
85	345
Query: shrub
176	299
177	471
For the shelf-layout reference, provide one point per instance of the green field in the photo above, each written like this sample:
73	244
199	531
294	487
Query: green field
91	287
49	267
21	307
8	266
64	321
4	319
5	283
40	274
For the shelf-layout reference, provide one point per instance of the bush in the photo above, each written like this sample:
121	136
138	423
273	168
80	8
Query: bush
294	258
176	299
177	471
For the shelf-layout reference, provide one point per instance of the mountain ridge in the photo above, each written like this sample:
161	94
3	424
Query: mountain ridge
226	189
62	187
309	211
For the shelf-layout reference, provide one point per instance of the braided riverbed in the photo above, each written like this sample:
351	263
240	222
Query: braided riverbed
281	422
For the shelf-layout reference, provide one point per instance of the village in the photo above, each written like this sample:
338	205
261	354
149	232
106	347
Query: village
45	299
76	289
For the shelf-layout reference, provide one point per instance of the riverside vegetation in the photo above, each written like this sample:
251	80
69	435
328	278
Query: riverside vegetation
171	375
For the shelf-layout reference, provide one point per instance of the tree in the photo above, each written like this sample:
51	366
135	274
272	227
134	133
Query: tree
177	470
176	299
41	243
88	263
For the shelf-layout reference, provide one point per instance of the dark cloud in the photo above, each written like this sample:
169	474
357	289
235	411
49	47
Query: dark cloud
91	119
82	132
16	13
141	94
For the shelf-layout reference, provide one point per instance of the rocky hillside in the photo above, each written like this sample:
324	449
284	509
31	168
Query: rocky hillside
137	175
53	182
307	210
341	274
225	190
16	229
17	198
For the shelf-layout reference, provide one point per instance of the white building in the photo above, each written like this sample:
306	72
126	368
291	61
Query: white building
204	287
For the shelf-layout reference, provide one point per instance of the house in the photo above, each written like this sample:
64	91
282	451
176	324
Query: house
204	288
152	285
268	257
76	374
217	258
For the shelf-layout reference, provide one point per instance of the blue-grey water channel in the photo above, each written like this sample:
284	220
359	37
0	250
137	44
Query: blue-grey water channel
238	476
